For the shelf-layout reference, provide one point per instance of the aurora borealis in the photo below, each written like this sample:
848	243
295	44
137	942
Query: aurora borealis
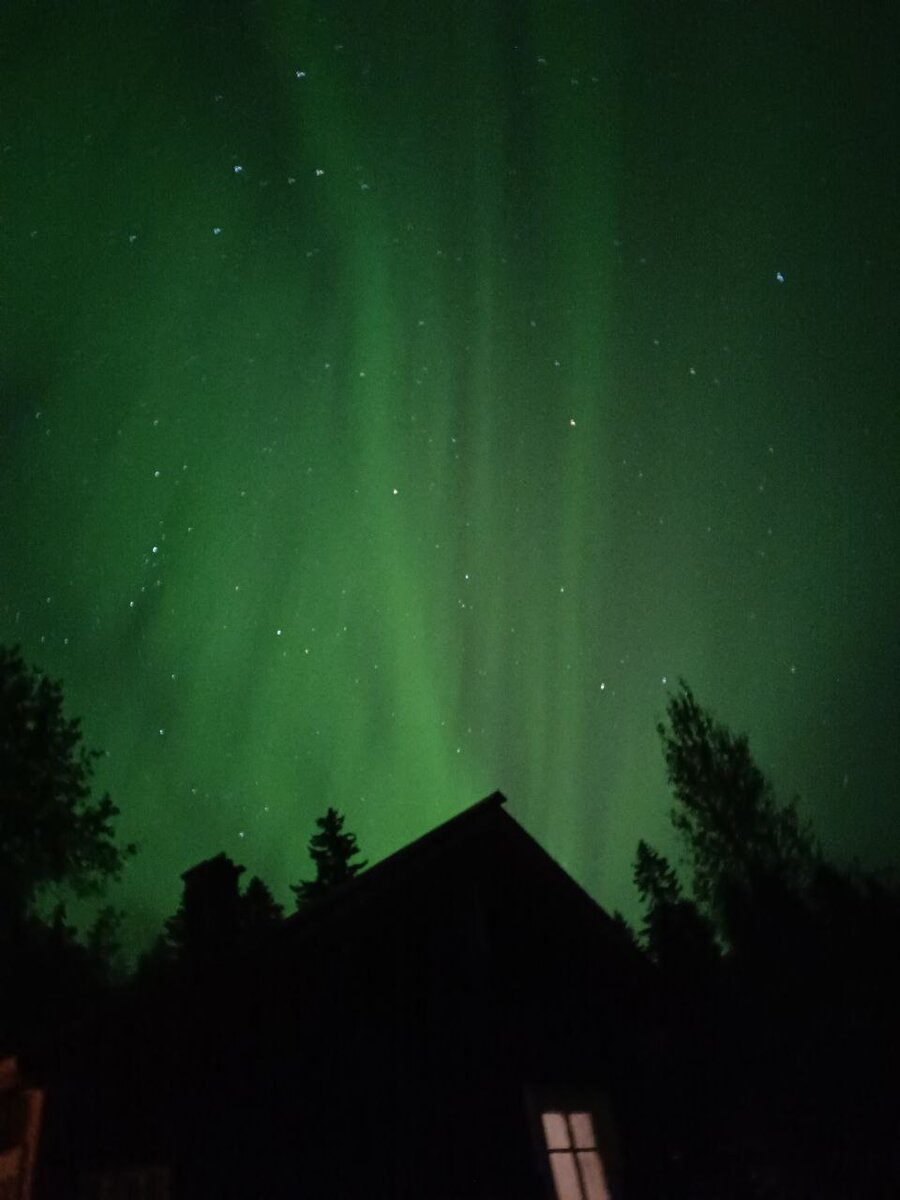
397	399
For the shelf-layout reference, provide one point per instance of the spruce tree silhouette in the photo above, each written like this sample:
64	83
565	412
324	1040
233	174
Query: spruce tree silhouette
332	852
677	936
258	909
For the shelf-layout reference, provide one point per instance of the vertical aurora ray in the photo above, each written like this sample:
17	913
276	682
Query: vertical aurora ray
393	400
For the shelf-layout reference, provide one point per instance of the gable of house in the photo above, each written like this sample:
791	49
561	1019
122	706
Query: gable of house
402	1037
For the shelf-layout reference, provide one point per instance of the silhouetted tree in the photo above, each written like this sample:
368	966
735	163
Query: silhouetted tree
737	838
332	852
103	944
258	909
154	965
52	833
54	838
786	1049
676	934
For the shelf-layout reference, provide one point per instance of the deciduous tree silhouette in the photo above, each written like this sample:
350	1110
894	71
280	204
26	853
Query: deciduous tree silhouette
54	838
332	850
750	861
52	832
793	1028
737	837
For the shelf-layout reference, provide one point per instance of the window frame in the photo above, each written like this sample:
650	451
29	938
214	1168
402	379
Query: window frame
569	1099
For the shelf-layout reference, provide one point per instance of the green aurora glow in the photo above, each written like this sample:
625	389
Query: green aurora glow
398	398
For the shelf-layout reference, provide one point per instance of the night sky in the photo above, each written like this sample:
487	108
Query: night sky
398	397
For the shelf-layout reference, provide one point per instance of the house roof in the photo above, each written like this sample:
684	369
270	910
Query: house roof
481	821
389	871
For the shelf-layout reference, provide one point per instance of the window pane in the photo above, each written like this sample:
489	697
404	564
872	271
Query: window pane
592	1173
565	1177
556	1131
582	1125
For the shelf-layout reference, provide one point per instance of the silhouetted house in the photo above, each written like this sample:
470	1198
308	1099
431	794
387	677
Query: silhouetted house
460	1022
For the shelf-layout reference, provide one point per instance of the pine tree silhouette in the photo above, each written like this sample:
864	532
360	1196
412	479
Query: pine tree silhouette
258	909
331	850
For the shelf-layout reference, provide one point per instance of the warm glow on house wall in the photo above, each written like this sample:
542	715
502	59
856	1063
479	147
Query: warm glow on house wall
20	1123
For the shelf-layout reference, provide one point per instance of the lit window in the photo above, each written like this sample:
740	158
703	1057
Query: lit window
575	1162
